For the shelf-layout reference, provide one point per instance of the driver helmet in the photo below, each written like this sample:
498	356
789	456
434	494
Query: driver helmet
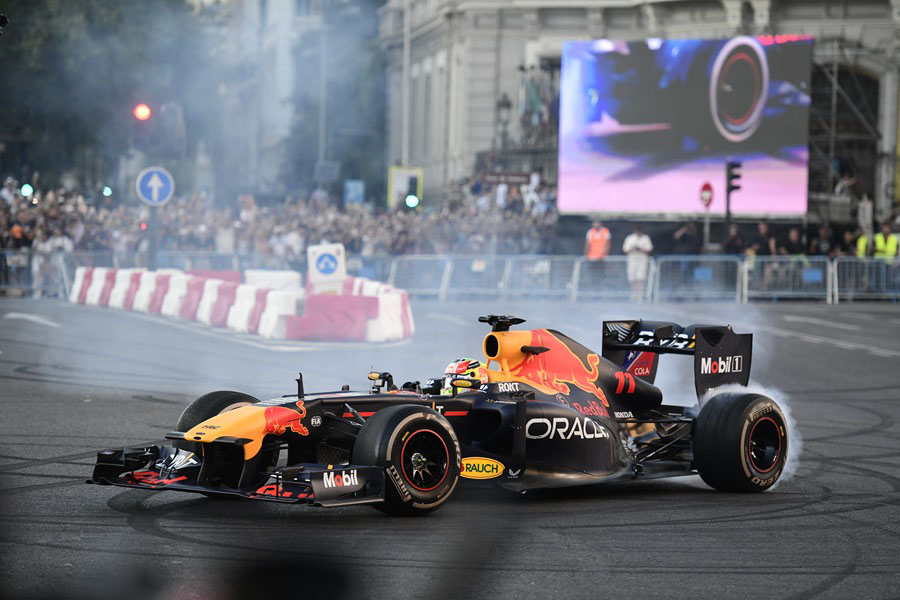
463	368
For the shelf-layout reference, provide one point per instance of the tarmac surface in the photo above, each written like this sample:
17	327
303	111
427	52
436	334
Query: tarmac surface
75	379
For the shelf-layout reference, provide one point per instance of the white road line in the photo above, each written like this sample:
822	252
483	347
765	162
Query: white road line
822	322
31	317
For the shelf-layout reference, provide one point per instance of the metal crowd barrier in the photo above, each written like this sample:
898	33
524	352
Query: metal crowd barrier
776	277
573	278
23	273
535	276
717	278
607	279
422	276
865	279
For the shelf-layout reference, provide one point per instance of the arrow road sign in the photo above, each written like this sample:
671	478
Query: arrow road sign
154	186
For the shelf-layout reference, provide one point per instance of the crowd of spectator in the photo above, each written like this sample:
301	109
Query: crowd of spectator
475	219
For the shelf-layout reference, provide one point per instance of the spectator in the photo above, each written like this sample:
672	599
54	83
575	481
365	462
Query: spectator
688	239
597	242
764	243
734	243
637	247
794	245
847	245
822	244
8	193
886	243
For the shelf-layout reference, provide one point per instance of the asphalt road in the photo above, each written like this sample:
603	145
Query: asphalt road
75	379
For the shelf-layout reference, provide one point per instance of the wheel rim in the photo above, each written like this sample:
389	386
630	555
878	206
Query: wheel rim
764	445
425	460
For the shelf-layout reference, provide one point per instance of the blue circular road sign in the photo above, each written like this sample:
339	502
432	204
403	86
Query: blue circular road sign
326	264
154	186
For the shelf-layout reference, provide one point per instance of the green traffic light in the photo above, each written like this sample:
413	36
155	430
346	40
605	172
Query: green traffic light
27	190
412	201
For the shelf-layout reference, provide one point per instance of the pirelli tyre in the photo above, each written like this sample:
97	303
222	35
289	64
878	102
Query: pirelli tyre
420	454
740	442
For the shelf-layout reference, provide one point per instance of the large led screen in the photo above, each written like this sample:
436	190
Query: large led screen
643	125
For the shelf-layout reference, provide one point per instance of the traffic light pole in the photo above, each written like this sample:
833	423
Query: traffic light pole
153	245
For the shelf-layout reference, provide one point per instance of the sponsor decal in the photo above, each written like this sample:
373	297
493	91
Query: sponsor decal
151	478
398	483
478	467
592	408
315	421
638	363
211	427
623	415
560	367
513	473
561	428
679	340
280	418
721	365
340	478
760	412
507	387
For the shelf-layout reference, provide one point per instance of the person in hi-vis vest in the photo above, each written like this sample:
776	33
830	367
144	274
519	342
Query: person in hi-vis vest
597	242
886	243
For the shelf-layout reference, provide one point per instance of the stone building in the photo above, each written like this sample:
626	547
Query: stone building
467	57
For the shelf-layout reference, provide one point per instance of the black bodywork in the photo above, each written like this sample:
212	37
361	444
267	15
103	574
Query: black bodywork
558	414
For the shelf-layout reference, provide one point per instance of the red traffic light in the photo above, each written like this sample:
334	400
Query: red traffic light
141	112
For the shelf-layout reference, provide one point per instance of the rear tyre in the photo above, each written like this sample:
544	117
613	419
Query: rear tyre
740	442
420	454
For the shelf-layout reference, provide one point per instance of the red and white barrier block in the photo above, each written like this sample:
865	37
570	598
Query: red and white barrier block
366	310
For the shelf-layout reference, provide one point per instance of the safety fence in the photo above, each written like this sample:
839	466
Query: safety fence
453	277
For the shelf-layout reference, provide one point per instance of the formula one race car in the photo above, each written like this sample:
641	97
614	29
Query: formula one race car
550	413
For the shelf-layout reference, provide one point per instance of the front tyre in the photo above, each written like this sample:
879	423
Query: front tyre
420	454
740	442
207	407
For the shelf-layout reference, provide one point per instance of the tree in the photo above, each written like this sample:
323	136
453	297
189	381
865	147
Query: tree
72	71
355	117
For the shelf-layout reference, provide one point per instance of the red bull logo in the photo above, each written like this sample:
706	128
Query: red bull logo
280	418
560	367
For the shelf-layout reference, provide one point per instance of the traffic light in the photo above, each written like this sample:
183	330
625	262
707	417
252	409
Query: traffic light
412	193
732	175
141	112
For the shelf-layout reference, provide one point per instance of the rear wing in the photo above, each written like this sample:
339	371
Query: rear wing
721	356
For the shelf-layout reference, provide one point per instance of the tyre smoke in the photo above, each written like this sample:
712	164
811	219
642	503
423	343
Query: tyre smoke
795	437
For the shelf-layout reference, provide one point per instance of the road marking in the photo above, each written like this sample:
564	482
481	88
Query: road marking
31	317
822	322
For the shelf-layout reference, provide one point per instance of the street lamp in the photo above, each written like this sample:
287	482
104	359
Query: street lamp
504	108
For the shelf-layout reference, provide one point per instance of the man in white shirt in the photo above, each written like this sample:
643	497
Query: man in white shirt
637	246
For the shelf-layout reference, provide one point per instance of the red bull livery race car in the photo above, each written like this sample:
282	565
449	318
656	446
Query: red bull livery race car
548	412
